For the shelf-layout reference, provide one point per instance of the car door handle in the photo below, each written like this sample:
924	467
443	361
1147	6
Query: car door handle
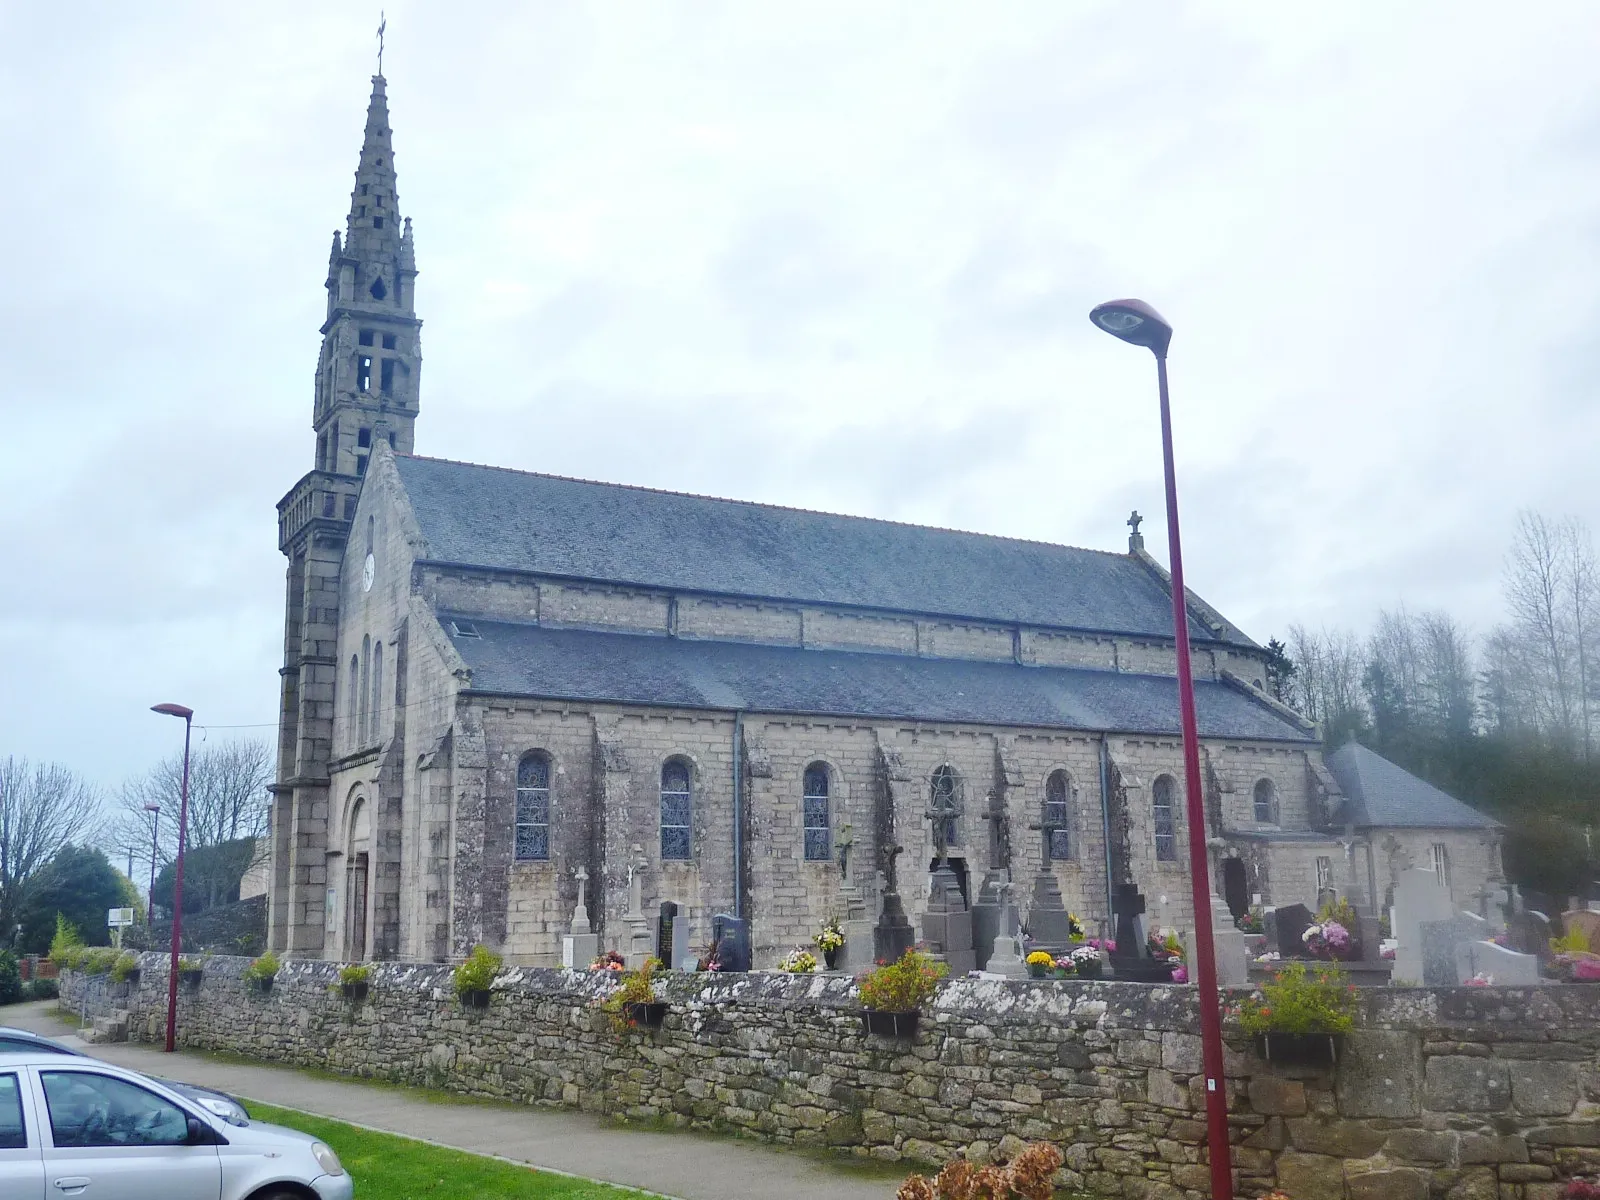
73	1185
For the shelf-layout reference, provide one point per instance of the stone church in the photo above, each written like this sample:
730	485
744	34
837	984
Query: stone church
493	678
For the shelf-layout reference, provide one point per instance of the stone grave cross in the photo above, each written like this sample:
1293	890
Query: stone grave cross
893	935
943	808
580	915
1047	827
994	812
580	946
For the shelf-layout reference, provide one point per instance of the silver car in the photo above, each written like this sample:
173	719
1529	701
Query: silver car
74	1126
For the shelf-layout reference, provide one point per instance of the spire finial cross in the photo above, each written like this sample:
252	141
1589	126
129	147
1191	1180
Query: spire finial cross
1134	521
383	23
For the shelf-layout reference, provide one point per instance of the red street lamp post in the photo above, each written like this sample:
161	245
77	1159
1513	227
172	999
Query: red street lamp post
1136	322
176	710
155	836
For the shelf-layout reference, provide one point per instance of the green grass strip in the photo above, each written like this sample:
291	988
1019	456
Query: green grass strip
387	1166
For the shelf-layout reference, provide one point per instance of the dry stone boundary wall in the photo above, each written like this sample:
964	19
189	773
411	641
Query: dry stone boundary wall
1452	1093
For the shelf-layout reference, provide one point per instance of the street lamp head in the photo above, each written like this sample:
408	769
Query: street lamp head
173	710
1134	321
155	808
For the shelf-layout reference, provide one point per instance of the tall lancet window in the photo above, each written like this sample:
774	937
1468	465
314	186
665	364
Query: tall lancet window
1164	816
1057	816
533	807
818	838
677	811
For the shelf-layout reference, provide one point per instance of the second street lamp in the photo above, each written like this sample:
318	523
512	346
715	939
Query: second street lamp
177	710
1136	322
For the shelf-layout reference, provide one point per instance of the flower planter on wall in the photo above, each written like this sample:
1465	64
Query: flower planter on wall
1300	1049
830	958
646	1016
475	998
191	979
890	1024
263	986
356	993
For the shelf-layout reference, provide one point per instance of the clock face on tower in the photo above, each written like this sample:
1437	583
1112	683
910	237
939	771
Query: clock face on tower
368	570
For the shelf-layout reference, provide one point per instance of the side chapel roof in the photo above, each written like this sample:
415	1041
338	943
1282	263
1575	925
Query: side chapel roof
473	515
1387	795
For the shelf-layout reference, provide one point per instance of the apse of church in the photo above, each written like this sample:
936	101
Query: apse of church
495	680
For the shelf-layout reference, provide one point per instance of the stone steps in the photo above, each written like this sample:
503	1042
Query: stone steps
108	1029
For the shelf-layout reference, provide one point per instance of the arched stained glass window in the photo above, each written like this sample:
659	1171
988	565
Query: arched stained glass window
946	787
1058	816
819	847
677	811
533	807
1266	802
1165	818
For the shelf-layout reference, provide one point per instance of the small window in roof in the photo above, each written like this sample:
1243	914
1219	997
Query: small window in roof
464	629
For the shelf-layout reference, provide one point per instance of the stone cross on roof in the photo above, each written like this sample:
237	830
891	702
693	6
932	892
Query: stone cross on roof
1135	538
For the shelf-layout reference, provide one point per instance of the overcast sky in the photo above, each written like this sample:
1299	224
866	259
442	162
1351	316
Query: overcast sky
837	256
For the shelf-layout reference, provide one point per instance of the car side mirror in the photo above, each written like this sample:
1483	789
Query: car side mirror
201	1134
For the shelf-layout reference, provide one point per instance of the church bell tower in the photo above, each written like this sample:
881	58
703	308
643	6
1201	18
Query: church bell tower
366	389
369	368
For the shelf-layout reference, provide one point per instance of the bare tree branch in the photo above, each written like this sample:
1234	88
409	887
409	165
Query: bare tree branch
43	807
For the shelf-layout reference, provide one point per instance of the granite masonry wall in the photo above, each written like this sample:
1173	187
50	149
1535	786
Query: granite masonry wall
1442	1094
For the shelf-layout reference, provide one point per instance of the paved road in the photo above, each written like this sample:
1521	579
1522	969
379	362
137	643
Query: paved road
676	1164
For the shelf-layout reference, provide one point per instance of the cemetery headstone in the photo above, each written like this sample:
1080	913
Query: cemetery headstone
893	935
731	936
672	939
1228	945
1506	967
1529	932
987	915
640	943
1005	958
580	947
1292	923
946	923
1440	941
1132	959
1418	900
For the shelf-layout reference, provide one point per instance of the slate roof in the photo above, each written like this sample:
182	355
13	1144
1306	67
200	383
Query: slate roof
545	524
1384	794
583	665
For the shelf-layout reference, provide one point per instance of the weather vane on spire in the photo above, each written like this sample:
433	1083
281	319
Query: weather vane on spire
383	23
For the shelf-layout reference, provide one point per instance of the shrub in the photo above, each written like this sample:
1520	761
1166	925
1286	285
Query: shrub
1300	1002
66	947
123	965
98	960
263	969
478	971
10	978
1029	1176
355	974
901	986
1340	911
41	989
633	987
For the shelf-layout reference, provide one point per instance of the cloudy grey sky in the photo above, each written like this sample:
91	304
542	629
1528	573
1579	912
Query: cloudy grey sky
831	255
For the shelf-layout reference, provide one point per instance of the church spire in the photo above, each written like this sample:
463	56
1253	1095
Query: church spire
374	224
369	369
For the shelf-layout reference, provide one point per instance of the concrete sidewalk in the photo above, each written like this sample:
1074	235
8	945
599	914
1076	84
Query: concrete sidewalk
686	1165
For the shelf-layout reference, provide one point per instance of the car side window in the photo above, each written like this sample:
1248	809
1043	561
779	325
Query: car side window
13	1134
88	1110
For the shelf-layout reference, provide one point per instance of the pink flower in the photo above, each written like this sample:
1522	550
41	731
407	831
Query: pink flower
1180	974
